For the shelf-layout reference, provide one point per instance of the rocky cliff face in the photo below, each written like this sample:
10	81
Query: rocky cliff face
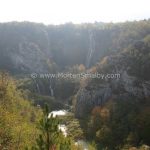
87	99
28	58
126	86
26	47
98	92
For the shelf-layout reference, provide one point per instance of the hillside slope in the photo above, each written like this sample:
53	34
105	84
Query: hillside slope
31	47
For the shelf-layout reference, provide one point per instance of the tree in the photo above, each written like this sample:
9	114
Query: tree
16	128
51	138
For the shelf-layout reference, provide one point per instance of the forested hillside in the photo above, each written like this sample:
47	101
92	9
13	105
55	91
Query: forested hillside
117	110
110	113
28	47
17	117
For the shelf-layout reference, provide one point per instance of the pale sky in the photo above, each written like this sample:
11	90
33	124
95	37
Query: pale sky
76	11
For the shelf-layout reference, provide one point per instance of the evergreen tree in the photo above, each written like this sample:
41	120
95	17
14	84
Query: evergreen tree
48	138
51	138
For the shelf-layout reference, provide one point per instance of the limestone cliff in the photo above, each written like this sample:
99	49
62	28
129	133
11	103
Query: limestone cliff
98	91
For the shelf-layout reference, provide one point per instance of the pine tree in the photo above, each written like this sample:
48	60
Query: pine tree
49	137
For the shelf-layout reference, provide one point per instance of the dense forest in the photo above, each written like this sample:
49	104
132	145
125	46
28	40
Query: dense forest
109	113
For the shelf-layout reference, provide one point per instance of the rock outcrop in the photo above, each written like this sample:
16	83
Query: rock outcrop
99	92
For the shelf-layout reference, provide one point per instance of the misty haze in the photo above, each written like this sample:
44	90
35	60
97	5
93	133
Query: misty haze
74	75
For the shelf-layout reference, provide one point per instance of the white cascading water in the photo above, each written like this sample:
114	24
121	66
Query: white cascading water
48	43
64	129
91	48
38	88
51	90
61	127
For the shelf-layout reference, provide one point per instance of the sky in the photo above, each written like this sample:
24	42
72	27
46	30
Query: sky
75	11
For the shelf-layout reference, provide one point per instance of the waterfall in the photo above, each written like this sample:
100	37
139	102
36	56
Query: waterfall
38	88
91	48
51	90
49	52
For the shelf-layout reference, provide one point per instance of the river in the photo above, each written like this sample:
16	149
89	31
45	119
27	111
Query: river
63	128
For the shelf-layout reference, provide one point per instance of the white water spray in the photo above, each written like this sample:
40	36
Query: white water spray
91	48
38	88
51	90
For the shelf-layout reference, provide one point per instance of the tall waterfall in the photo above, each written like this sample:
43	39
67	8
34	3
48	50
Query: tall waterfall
37	86
47	50
51	89
91	48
